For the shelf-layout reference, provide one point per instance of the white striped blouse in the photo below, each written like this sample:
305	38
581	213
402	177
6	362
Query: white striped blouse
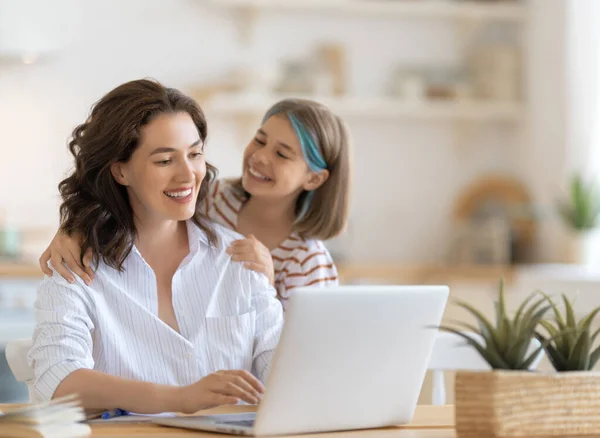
228	316
298	261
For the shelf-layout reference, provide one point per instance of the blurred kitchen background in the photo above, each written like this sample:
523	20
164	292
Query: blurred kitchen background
469	120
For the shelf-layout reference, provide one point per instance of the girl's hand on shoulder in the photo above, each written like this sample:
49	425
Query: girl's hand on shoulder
65	250
254	255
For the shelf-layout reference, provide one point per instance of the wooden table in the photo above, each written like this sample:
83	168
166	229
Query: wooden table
428	422
401	273
20	270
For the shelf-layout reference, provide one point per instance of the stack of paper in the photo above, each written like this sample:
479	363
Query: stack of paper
59	418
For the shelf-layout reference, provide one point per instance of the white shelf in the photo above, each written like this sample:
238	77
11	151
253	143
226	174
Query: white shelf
247	106
506	10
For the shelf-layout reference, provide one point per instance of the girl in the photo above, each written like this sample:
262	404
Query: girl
294	192
169	323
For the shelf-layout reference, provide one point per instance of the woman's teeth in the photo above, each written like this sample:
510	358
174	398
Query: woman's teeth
179	194
257	174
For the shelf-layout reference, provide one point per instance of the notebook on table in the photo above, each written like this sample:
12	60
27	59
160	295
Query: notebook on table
59	418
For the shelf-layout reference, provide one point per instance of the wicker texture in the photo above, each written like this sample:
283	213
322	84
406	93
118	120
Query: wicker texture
519	404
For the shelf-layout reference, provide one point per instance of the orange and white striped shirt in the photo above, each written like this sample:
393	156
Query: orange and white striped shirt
297	261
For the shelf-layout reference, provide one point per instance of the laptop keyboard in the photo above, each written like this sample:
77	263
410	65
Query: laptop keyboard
246	423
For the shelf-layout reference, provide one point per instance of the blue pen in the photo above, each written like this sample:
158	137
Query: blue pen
114	413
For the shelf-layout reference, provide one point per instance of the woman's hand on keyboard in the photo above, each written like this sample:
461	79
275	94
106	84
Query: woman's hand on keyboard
221	388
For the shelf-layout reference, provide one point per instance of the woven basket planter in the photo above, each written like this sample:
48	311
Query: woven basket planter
524	404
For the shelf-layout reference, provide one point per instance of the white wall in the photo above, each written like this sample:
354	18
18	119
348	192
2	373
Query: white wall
543	161
407	173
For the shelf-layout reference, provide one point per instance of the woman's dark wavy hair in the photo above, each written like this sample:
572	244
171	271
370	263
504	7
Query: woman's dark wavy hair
95	206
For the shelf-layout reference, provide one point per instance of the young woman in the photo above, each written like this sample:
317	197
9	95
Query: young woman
170	322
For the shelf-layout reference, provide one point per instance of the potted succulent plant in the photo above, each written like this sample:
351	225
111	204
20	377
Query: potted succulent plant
570	347
580	212
510	400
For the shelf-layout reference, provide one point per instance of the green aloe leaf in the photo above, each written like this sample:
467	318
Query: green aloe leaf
510	333
489	343
578	336
526	318
571	322
594	358
499	324
504	337
593	338
501	303
529	360
490	357
544	343
523	306
550	328
535	319
559	362
481	319
553	331
580	357
469	327
517	351
586	322
559	319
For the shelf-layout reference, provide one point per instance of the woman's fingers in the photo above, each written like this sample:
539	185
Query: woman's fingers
251	379
230	388
220	399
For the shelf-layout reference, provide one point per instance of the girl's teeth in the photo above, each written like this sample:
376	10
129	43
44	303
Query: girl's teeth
257	174
178	194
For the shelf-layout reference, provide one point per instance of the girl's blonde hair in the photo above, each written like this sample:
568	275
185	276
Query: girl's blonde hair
322	214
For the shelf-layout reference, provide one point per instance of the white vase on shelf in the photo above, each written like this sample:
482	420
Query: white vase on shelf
583	247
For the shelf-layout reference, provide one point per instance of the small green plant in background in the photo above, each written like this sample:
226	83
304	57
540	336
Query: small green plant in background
505	343
570	343
581	211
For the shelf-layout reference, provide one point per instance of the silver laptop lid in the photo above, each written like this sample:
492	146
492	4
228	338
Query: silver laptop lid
350	357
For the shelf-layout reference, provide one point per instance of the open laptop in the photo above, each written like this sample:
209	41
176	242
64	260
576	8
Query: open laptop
349	357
